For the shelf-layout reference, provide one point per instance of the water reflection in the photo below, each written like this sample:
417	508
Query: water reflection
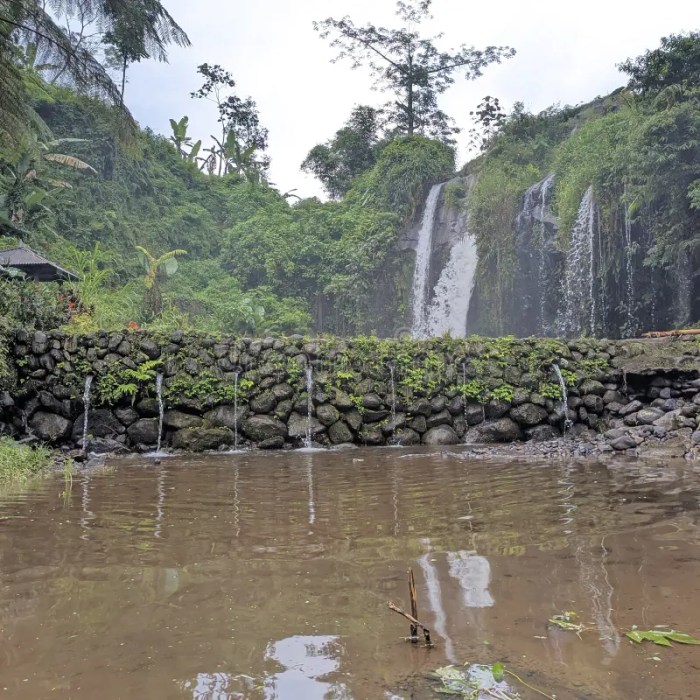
207	567
160	501
473	573
86	515
306	660
220	686
434	591
310	484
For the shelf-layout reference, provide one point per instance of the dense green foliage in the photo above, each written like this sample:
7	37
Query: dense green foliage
353	150
31	38
254	263
640	151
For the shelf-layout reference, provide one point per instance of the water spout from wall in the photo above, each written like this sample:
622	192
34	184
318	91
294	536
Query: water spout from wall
392	386
236	374
309	404
464	402
159	398
564	397
86	405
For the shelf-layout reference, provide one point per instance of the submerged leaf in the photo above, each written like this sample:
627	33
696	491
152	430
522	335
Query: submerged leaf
661	637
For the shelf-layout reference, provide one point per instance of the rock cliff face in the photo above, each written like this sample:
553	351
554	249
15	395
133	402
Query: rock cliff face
219	393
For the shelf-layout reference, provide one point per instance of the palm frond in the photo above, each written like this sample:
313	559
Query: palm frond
70	162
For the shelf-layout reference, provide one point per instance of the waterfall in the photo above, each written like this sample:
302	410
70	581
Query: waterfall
86	405
159	397
629	252
579	312
235	410
421	272
542	258
309	404
564	397
448	310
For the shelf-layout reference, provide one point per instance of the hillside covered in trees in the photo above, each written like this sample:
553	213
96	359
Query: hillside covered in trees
165	232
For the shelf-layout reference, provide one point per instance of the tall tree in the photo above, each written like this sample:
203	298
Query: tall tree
409	66
241	131
353	150
24	22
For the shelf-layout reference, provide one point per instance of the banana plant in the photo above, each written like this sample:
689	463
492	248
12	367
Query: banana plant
23	192
237	159
180	139
157	270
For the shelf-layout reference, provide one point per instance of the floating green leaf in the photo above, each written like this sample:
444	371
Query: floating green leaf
661	637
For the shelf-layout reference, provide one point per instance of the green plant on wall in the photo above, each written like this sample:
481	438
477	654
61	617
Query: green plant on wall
207	388
119	381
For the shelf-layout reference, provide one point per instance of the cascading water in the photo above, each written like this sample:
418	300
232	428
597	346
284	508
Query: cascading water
309	404
537	260
541	257
564	397
421	272
86	405
629	268
159	398
448	310
579	312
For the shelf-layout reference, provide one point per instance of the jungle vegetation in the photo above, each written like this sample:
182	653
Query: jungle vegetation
167	233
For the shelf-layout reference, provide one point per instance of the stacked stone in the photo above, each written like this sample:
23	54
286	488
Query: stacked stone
664	408
47	402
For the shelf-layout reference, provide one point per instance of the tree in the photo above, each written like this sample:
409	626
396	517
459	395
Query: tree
409	66
488	119
675	63
241	131
353	150
157	270
24	22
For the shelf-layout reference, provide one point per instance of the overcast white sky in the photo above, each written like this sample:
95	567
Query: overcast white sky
567	53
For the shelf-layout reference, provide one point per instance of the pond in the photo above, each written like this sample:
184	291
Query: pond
267	575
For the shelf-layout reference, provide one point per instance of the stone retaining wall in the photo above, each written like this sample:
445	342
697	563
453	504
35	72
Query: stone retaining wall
221	392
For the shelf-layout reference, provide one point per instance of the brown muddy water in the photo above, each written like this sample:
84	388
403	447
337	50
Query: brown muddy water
268	576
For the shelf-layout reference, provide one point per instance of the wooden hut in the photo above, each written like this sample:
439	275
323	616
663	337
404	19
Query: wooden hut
34	265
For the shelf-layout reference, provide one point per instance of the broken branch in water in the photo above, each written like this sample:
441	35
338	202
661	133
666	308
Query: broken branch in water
414	601
668	334
415	624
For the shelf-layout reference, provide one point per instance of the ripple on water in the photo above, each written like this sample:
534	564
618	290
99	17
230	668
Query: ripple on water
267	574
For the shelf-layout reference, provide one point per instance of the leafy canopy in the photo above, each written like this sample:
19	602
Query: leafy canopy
25	23
353	150
409	66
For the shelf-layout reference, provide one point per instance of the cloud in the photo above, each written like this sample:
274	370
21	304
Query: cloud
566	54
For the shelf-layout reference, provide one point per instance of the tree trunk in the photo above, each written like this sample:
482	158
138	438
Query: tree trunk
409	101
123	77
